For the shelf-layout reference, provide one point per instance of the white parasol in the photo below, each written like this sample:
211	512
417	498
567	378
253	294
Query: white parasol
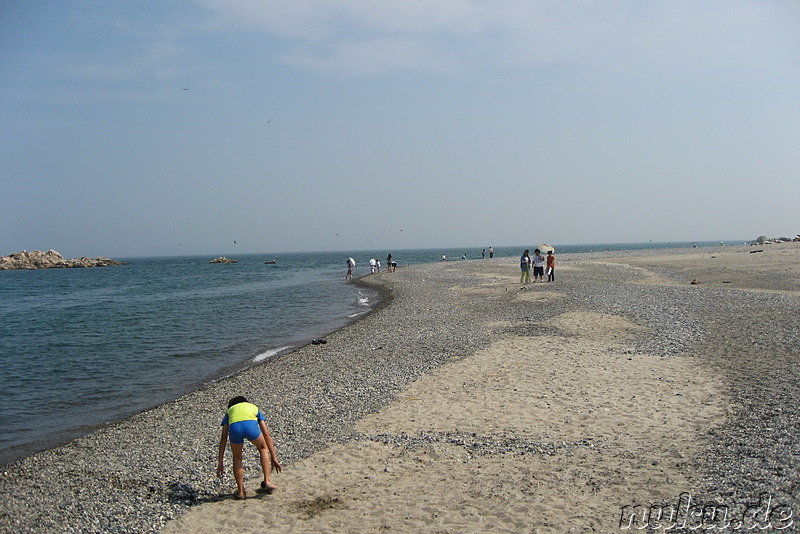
546	248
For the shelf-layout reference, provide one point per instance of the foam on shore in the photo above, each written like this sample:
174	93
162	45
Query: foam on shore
266	355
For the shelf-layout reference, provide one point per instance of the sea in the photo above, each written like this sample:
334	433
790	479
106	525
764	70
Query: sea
83	348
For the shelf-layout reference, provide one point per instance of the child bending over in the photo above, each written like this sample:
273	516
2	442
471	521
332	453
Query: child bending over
244	420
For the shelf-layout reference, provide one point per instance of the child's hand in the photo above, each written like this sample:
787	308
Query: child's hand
220	471
276	465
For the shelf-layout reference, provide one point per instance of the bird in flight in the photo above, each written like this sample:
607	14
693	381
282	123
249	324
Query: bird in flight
184	89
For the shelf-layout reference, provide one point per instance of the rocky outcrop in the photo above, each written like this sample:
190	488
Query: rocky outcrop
764	240
223	259
50	260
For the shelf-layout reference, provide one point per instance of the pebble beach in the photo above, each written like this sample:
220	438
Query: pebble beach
468	402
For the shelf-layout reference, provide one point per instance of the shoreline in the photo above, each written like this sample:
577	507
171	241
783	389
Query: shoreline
15	450
315	396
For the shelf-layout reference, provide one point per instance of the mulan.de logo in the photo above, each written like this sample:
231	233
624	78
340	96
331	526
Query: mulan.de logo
685	516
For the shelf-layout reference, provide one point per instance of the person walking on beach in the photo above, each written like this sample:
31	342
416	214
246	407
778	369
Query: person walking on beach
244	420
525	267
551	266
538	266
491	252
389	266
351	264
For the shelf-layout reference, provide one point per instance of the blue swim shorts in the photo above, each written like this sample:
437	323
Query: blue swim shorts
244	430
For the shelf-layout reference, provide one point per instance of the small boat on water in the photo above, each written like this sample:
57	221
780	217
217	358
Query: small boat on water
270	262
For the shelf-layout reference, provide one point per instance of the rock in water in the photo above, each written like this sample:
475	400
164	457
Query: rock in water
50	260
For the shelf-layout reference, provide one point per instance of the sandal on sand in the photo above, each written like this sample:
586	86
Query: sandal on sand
265	488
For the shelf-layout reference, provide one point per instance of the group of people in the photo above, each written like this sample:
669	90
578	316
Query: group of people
537	262
374	266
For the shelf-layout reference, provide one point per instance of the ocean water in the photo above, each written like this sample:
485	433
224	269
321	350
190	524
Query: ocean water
81	348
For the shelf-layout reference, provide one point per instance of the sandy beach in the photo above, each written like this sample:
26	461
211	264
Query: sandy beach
472	403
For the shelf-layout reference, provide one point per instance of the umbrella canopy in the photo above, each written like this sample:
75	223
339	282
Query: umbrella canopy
546	248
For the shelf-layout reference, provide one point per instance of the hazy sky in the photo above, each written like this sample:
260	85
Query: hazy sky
152	127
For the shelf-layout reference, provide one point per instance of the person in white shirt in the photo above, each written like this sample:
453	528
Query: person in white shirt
538	266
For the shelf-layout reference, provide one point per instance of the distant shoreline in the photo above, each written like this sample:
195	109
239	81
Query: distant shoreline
453	253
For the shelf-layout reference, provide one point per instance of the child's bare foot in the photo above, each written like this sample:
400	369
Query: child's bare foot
267	487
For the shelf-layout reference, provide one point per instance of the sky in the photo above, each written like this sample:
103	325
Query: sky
158	128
